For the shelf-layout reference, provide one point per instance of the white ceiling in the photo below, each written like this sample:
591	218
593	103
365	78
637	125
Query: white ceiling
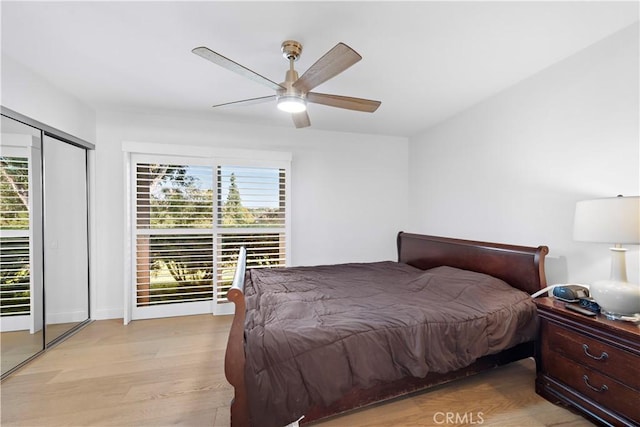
425	61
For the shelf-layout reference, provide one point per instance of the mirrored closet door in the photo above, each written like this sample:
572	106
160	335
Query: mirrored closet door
66	256
44	238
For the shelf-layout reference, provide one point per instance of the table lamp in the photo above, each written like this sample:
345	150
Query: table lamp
612	220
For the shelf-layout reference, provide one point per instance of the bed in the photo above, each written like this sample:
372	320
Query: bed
320	341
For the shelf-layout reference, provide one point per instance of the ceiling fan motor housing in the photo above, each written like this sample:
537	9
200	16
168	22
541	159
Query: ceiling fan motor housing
291	49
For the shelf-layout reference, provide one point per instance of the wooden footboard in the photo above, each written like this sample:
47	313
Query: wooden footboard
522	267
234	358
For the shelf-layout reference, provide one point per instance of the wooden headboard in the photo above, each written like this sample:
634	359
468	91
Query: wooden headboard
520	266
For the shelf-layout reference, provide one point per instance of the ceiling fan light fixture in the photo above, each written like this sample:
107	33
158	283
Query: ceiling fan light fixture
292	104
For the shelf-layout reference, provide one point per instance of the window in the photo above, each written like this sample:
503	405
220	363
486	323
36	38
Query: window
191	217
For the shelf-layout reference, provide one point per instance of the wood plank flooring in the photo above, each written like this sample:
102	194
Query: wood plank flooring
170	372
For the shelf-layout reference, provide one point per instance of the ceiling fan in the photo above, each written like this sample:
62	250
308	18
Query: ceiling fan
293	94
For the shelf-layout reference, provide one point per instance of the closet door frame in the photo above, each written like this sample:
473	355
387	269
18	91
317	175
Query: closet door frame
46	129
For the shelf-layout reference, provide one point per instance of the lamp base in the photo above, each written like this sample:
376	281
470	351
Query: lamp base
616	298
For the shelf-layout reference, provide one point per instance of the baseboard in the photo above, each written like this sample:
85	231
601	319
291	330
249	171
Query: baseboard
107	313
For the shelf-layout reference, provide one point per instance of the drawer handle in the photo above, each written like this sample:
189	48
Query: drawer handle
597	390
603	356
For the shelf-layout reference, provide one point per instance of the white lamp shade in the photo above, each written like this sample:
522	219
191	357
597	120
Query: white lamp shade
611	220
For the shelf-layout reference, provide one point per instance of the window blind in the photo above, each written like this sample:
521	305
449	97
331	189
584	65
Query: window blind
174	242
251	213
15	270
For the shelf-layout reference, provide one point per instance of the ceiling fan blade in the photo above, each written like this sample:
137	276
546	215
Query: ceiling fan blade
250	101
330	65
218	59
301	120
346	102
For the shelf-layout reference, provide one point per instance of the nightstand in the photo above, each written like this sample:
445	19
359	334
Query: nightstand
590	363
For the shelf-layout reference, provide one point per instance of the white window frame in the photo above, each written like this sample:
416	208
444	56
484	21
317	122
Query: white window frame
198	155
166	310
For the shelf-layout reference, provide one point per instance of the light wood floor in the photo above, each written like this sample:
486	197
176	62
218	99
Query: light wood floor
170	372
18	346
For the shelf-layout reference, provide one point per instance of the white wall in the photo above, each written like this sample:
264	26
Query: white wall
348	191
28	93
511	168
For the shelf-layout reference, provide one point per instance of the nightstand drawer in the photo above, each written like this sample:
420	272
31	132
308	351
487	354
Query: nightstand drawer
609	360
573	369
592	384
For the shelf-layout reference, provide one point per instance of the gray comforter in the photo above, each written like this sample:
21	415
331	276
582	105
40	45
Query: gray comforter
313	333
